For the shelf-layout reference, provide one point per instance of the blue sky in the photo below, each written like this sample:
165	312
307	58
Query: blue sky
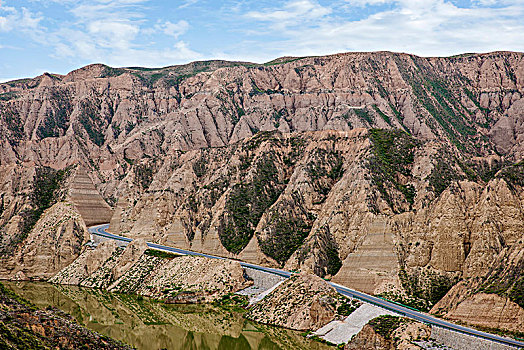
60	35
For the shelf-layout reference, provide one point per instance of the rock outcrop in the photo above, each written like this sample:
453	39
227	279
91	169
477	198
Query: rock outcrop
86	264
303	302
54	242
138	270
493	301
489	311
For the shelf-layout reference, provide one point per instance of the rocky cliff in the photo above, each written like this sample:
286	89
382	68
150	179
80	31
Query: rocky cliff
44	218
390	173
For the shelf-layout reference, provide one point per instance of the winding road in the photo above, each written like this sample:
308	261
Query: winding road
101	230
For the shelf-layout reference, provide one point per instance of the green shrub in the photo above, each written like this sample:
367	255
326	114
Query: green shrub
93	123
6	96
363	114
160	254
144	175
393	154
246	204
14	124
513	174
385	325
346	309
57	118
288	233
442	175
382	114
333	260
200	166
423	290
45	193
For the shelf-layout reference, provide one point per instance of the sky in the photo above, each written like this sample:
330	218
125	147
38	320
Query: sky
57	36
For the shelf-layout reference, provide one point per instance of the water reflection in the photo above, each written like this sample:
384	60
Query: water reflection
147	325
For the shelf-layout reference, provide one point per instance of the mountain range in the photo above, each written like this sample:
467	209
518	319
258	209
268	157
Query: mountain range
390	173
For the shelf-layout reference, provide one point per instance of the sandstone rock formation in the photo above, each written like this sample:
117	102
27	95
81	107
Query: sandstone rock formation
493	301
86	264
54	242
45	220
300	163
489	311
88	201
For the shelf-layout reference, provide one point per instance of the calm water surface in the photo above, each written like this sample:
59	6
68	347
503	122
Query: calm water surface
150	325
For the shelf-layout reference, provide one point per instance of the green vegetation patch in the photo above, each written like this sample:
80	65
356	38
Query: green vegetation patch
363	114
474	99
57	118
161	254
437	96
506	281
93	123
200	166
45	193
334	263
287	234
112	72
6	96
385	325
246	204
513	174
8	293
347	306
393	154
442	174
14	124
16	337
233	302
382	114
423	290
144	174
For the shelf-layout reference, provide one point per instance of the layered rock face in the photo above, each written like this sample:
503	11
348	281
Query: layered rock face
390	173
493	301
140	113
88	201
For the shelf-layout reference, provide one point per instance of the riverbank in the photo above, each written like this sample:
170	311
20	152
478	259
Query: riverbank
147	324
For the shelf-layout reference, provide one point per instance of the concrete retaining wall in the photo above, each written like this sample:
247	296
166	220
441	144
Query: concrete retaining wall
461	341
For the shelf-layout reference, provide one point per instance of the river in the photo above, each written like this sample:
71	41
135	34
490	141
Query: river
150	325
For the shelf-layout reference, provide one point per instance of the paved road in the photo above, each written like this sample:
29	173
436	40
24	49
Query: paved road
100	230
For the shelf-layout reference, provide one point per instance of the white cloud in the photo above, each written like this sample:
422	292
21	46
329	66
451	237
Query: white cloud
24	20
188	3
362	3
173	29
293	13
424	27
110	31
